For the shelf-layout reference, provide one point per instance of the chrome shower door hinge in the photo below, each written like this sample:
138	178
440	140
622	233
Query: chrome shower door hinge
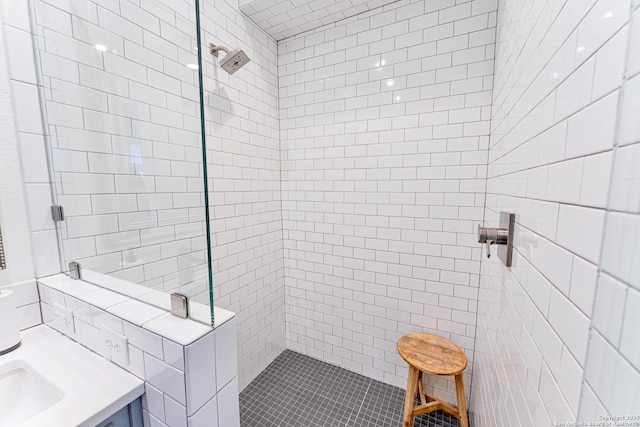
74	270
179	305
3	260
57	212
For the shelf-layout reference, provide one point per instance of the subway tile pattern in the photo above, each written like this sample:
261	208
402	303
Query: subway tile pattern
243	159
384	128
612	373
122	113
29	139
381	127
286	18
27	301
559	78
297	390
120	107
180	377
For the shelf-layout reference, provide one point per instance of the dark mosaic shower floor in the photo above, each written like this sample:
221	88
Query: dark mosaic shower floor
299	391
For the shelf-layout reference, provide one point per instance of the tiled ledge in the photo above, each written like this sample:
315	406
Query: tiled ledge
147	308
189	368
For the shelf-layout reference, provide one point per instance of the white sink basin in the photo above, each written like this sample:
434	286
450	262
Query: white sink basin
24	393
52	381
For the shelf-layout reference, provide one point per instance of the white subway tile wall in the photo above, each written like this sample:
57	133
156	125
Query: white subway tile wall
28	132
360	151
558	82
612	373
282	19
123	114
384	129
243	162
27	301
118	133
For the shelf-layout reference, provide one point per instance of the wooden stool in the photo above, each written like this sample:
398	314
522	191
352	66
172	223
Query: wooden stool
436	356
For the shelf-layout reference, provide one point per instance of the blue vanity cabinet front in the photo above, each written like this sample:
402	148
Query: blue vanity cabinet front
129	416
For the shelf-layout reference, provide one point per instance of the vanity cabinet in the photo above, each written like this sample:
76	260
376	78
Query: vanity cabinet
129	416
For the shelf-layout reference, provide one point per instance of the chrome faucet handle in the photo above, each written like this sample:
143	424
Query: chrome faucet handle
489	243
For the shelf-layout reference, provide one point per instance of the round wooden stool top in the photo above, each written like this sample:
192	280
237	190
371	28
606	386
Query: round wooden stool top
432	354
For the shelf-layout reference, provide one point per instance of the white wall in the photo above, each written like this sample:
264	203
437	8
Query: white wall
558	77
128	164
28	124
284	19
13	219
612	375
243	152
384	128
121	114
19	276
383	186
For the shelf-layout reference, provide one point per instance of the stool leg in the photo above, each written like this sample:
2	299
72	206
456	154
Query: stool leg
412	383
462	403
421	395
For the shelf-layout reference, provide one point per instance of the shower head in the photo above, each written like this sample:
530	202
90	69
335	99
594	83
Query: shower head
232	61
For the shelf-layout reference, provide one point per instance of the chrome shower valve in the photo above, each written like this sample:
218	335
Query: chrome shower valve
501	236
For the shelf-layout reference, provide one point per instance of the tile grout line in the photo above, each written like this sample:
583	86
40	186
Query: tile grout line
363	400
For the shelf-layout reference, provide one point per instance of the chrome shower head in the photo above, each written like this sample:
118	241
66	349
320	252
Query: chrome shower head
232	61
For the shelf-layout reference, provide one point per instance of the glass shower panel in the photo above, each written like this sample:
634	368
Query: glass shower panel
121	103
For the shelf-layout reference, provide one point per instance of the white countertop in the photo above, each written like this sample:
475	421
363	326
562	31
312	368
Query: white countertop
93	387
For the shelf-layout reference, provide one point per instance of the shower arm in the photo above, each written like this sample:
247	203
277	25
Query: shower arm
213	49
